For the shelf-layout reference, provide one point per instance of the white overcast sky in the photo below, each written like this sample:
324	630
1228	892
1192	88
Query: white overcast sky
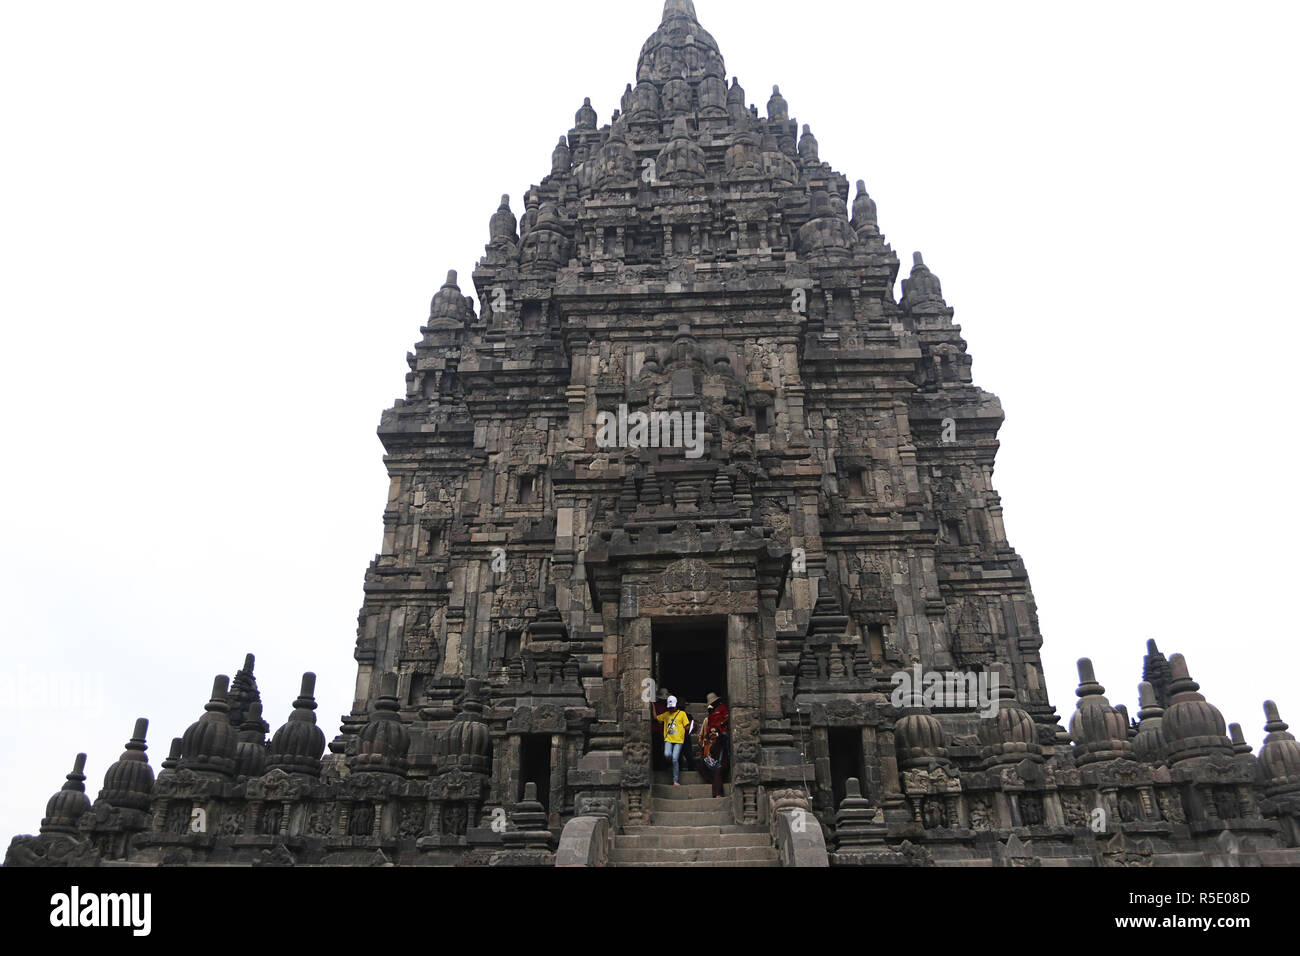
221	225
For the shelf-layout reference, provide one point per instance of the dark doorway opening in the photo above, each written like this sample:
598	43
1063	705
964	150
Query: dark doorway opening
535	766
845	745
690	659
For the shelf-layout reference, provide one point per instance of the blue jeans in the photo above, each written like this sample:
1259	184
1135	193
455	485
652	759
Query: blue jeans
673	752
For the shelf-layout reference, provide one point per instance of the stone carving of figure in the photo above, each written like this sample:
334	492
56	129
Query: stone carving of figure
1128	811
1031	811
933	814
362	821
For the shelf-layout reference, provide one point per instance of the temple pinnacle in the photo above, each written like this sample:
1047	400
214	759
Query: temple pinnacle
678	8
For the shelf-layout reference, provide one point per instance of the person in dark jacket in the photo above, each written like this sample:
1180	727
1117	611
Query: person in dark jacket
715	737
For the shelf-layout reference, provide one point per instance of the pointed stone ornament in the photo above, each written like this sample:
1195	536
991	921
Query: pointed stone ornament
528	823
1155	671
778	111
857	822
384	741
808	148
922	291
502	226
1100	731
585	119
449	308
173	758
679	8
561	157
919	740
1238	738
129	780
1150	744
1192	725
66	807
1280	755
250	751
208	746
466	744
864	213
297	746
243	693
1010	737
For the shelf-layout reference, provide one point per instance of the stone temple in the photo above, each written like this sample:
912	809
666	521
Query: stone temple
684	438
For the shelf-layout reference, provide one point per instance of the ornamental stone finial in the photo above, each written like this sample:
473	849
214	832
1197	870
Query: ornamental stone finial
69	803
864	212
679	8
808	150
298	745
778	110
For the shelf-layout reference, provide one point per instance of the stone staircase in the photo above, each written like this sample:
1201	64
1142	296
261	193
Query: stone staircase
689	827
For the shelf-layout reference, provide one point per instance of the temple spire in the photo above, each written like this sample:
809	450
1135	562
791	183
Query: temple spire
679	8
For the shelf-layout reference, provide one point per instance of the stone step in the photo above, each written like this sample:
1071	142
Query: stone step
690	818
695	831
691	804
687	791
725	854
687	841
664	774
745	863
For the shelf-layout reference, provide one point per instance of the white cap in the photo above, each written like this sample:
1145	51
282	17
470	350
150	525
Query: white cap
672	701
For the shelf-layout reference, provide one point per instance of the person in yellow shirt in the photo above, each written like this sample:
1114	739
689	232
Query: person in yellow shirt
676	726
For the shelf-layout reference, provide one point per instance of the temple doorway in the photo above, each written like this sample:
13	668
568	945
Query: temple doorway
535	766
689	661
844	746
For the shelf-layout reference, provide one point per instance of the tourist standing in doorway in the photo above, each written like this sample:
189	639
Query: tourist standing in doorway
715	737
676	726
